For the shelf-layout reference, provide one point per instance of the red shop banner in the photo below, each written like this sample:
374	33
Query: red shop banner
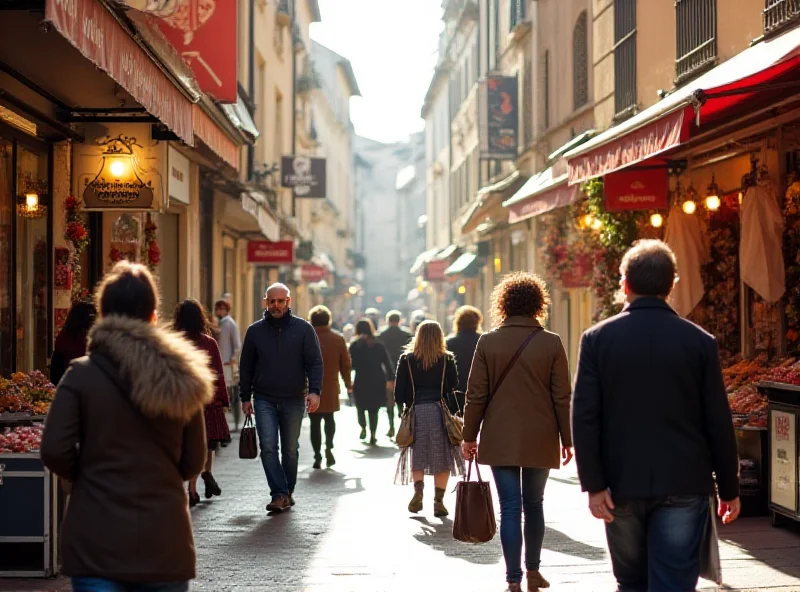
268	252
204	33
636	189
312	273
88	26
434	270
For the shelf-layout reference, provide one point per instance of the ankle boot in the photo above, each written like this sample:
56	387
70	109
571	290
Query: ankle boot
415	505
536	581
438	504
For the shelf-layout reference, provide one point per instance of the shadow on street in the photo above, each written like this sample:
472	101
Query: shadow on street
439	536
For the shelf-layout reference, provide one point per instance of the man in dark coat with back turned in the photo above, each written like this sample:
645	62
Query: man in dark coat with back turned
395	338
281	368
651	425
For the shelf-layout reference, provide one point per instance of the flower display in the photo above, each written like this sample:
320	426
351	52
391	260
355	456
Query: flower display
29	393
791	255
150	250
76	233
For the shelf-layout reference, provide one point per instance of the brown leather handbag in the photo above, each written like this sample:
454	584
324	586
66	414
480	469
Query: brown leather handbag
405	435
453	424
474	521
248	444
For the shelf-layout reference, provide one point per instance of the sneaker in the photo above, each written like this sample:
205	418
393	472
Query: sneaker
280	504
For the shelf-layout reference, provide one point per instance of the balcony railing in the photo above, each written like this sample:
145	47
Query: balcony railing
779	13
696	25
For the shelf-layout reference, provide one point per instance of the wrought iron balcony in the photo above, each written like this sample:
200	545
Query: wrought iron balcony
779	14
696	22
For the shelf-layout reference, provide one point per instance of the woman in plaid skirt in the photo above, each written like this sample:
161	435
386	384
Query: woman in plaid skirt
425	374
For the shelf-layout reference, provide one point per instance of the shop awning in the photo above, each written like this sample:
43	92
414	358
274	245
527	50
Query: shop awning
672	120
422	259
539	195
489	198
447	252
95	32
240	117
462	264
207	130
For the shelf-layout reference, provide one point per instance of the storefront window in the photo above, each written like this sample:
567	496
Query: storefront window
32	253
229	270
6	262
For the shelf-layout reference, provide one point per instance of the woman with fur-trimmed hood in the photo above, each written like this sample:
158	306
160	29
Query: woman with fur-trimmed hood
126	428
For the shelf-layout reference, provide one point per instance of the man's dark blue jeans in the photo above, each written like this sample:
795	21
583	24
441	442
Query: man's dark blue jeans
521	490
278	426
655	542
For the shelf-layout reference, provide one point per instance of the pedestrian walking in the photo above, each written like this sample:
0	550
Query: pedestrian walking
518	398
424	374
280	377
467	329
374	315
335	363
652	426
191	319
395	338
230	344
374	374
126	428
72	339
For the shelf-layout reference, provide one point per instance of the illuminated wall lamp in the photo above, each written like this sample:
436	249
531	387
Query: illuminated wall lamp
689	206
656	220
712	198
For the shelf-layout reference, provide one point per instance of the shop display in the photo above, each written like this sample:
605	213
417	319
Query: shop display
21	439
29	394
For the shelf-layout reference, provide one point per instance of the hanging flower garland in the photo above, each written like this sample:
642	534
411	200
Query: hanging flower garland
76	233
150	251
567	256
791	255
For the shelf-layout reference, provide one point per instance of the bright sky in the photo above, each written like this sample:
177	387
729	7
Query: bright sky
392	45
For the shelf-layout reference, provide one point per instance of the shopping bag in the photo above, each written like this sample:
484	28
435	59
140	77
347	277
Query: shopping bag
474	521
248	445
405	435
710	566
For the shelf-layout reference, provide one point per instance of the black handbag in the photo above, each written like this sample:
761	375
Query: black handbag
248	443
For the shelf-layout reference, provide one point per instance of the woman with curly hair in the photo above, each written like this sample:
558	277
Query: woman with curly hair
518	398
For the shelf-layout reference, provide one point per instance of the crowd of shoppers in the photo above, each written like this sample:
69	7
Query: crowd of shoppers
141	404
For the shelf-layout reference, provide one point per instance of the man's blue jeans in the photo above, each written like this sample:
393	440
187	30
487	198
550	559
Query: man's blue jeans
278	426
521	490
103	585
655	542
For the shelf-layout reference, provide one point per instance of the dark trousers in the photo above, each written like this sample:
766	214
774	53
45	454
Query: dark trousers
655	542
373	419
316	432
521	490
390	407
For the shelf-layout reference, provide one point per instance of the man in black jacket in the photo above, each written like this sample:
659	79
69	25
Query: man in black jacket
281	368
395	338
651	425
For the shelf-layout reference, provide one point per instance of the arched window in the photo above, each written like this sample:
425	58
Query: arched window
580	63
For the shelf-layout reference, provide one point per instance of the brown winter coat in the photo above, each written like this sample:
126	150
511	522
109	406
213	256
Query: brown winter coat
135	406
522	425
335	363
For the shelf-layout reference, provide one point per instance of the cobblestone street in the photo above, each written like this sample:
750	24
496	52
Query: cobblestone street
350	532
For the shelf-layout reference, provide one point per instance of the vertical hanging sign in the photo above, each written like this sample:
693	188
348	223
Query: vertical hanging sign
499	117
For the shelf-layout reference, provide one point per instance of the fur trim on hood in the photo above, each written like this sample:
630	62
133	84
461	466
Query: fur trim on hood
167	375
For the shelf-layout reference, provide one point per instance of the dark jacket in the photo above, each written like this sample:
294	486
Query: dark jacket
280	358
650	415
463	345
66	348
395	339
429	386
373	370
528	416
126	428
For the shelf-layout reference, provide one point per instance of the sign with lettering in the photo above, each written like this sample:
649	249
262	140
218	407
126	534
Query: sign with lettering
636	189
178	170
270	253
783	464
89	26
499	117
312	273
305	175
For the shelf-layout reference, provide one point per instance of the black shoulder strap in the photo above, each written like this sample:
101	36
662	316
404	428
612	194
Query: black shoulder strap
512	362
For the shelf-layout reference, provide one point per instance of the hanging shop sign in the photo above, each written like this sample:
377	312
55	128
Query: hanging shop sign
312	273
305	175
636	189
118	184
499	117
204	34
178	168
435	270
268	252
91	28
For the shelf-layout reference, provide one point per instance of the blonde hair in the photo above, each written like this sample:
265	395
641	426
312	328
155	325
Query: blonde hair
428	344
